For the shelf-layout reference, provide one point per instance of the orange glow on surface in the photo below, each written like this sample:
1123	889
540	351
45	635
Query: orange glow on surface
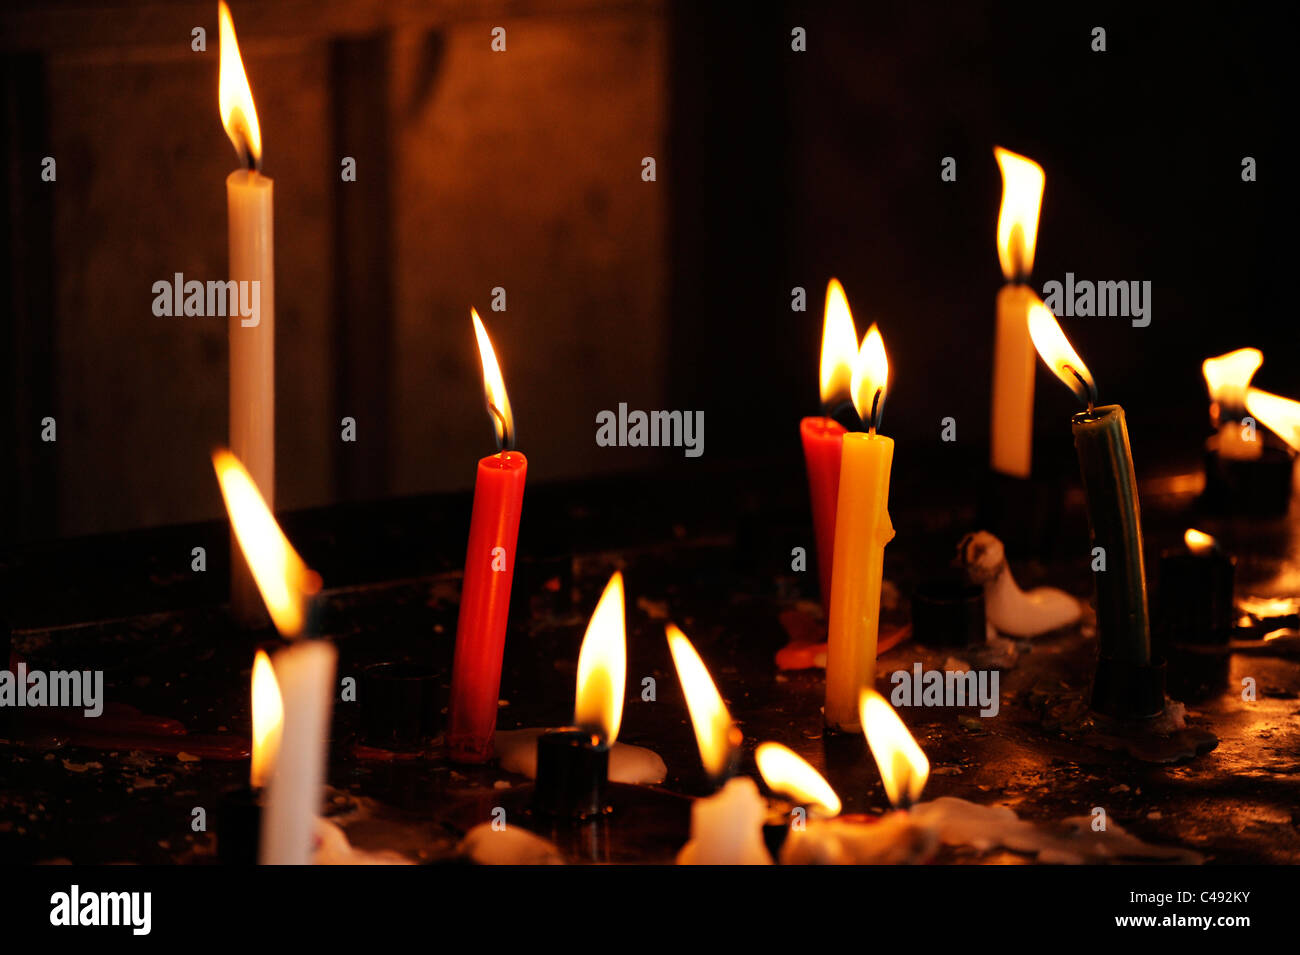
234	97
1022	198
904	768
1280	415
602	666
871	377
788	773
285	582
268	720
494	386
839	346
1059	355
715	733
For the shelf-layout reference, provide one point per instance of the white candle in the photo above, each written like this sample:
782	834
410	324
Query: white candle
727	827
1227	377
1011	445
250	211
305	672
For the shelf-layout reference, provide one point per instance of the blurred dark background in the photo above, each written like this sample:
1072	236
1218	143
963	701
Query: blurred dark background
522	170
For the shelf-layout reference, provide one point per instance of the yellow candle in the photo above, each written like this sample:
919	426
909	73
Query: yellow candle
250	210
1011	444
1011	449
862	529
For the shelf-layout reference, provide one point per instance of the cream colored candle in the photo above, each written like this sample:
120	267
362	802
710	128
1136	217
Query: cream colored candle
1011	444
1227	378
250	299
862	529
305	673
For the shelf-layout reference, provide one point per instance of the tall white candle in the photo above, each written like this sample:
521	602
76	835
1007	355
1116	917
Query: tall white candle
305	672
250	212
1011	444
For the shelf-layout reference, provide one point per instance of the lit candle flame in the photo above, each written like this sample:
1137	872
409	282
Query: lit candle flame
839	347
871	379
1059	355
1227	377
602	666
1198	542
1264	607
494	387
1022	198
268	720
788	773
1280	415
285	582
904	768
717	736
235	99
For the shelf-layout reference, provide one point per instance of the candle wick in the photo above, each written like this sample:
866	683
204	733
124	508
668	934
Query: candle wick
877	409
505	436
1089	389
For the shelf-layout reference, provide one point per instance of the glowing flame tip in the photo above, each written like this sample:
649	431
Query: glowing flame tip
1022	198
903	766
494	387
839	347
788	773
234	97
871	378
1059	355
715	733
602	666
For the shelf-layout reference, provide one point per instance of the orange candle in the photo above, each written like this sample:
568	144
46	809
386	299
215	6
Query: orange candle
862	529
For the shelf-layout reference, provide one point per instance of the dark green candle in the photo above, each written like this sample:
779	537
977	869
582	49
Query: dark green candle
1128	683
1106	464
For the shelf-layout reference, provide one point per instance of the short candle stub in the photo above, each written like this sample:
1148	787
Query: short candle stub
239	826
400	705
1258	487
1129	691
572	775
1196	596
948	612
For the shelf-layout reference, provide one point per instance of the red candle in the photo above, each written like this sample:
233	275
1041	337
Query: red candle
822	437
489	571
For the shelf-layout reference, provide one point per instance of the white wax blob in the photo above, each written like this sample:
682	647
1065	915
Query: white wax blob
1012	611
895	839
959	822
508	846
516	750
727	827
333	848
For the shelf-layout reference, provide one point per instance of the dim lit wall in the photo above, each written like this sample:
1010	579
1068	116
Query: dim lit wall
475	169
